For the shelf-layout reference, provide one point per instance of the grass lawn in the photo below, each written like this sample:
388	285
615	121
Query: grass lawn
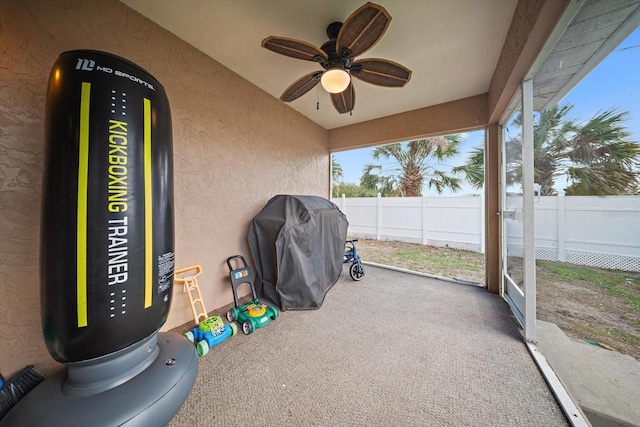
598	305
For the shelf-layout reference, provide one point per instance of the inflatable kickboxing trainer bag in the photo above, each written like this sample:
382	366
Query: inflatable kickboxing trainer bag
107	250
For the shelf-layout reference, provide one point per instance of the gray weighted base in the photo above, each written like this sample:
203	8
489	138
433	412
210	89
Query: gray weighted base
149	398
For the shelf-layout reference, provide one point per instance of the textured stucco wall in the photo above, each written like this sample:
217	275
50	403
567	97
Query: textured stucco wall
455	116
235	146
533	21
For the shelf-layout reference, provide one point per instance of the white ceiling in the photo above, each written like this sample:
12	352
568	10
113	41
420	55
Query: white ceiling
451	46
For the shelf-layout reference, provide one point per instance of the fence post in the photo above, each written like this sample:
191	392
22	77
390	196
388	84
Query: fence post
425	238
561	227
482	223
343	201
378	217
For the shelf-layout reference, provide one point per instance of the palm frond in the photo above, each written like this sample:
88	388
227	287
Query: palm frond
440	181
473	170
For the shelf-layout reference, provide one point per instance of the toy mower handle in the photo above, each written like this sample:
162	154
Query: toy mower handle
244	262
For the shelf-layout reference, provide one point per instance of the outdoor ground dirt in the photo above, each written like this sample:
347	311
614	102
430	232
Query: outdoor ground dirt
583	310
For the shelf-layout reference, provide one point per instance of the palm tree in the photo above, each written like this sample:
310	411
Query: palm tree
336	175
414	164
550	129
336	170
599	158
596	158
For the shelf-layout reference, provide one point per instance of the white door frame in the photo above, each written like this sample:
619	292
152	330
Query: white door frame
529	260
522	303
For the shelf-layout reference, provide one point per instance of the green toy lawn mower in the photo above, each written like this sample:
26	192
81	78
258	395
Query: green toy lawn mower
254	314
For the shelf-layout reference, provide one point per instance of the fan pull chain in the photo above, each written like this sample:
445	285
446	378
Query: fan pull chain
317	97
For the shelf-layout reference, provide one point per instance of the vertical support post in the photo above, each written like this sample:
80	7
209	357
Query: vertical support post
493	221
529	261
425	237
343	203
561	227
378	217
482	219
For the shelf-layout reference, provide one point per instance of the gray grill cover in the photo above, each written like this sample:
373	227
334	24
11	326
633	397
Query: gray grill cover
297	244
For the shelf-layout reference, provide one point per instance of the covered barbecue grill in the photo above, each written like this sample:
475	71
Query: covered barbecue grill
297	244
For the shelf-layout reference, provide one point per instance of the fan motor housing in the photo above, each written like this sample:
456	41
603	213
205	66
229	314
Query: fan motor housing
333	30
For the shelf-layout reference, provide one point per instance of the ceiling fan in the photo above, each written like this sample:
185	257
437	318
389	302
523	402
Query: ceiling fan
358	34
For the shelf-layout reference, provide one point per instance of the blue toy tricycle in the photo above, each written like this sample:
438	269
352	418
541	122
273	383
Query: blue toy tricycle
351	256
210	332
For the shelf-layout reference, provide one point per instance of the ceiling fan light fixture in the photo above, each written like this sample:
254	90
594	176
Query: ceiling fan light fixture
335	80
347	40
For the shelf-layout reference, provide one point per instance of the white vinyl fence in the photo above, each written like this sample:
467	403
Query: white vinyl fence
593	231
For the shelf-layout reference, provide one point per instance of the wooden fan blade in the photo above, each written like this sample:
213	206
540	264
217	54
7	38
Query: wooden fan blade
344	101
362	29
295	48
381	72
301	86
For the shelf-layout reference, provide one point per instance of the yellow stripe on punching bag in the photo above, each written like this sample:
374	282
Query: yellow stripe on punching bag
148	206
83	180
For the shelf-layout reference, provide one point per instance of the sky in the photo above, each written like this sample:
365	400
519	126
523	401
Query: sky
615	82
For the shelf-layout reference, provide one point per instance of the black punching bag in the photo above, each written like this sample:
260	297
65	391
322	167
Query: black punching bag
107	255
106	260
